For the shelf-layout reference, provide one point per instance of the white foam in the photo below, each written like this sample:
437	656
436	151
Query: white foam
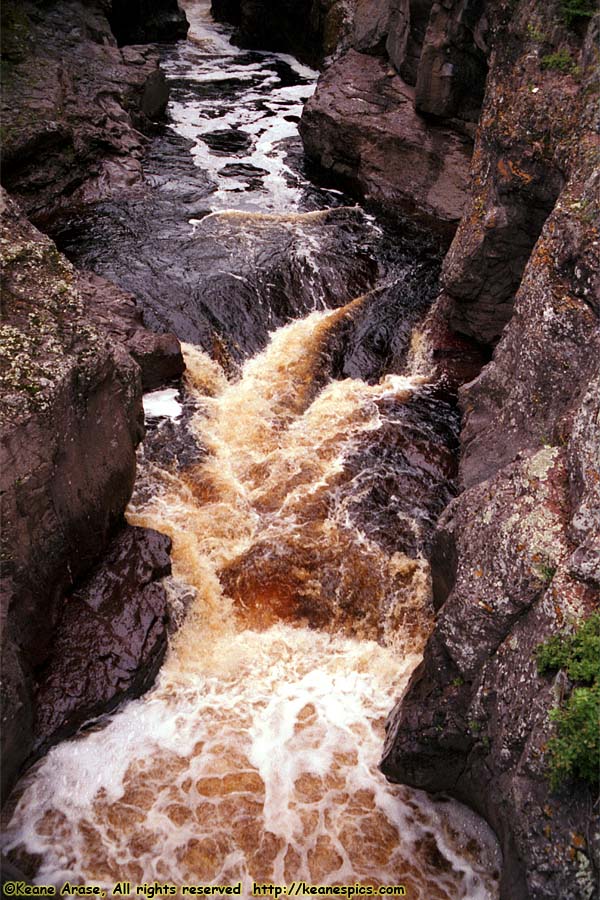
162	404
278	732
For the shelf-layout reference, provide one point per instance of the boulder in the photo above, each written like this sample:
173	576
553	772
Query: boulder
111	637
116	313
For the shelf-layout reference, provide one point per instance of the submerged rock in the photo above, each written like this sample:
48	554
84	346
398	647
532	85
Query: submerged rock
230	278
361	126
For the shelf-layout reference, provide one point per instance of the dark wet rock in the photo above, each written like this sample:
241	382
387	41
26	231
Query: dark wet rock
111	637
374	338
158	356
313	30
147	21
403	475
116	313
310	29
227	142
72	416
455	359
242	170
73	107
361	126
234	277
226	11
171	445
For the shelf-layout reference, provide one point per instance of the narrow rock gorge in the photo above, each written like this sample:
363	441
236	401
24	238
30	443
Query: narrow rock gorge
300	405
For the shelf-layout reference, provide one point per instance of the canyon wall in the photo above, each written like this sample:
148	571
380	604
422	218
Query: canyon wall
75	359
516	555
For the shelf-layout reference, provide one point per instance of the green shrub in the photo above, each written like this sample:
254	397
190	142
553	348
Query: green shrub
578	654
575	749
561	61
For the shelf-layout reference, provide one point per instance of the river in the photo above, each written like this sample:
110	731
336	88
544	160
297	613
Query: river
323	454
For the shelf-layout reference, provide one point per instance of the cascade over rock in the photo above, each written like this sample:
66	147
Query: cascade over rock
521	273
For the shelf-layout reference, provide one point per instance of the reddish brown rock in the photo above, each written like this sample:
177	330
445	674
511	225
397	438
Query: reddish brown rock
516	556
523	156
116	313
452	65
73	105
474	721
111	637
361	126
72	416
406	33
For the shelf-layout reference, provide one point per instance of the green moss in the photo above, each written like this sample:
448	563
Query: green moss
546	572
575	749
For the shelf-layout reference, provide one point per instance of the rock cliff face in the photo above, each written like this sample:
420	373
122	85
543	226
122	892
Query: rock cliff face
70	386
361	126
73	105
516	555
71	410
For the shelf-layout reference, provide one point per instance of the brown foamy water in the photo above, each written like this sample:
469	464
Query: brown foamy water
255	756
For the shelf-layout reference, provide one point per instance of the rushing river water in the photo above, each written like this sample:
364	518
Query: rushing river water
299	532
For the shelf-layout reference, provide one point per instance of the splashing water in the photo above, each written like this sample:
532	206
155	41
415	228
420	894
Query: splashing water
255	756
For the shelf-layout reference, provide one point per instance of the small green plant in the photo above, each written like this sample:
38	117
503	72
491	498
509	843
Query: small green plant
561	61
536	35
575	749
573	11
546	571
